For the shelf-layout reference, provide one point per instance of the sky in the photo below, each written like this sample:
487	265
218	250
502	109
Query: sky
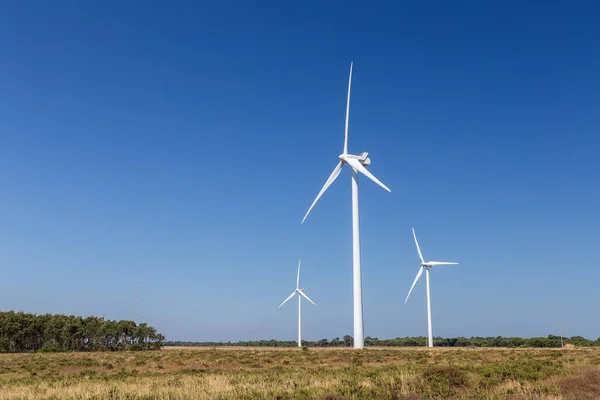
179	144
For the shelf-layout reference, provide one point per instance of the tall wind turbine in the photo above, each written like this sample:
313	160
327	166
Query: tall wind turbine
300	293
358	164
425	266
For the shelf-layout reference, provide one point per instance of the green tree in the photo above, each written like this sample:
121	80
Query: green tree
348	341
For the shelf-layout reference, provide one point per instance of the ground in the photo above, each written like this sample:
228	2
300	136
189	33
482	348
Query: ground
276	373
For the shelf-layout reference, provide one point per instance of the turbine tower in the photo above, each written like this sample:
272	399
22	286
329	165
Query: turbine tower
358	164
426	266
300	293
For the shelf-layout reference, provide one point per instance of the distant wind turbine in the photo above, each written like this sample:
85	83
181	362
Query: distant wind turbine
358	164
300	293
425	266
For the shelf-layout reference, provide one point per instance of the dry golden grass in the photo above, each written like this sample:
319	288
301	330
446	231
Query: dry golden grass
283	373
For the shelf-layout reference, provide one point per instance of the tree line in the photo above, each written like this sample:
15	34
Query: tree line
24	332
347	341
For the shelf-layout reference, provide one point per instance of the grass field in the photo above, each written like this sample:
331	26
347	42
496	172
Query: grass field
262	373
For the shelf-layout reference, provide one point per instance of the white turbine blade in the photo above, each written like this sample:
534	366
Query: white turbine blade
417	243
286	300
434	263
414	283
332	177
305	296
347	112
298	277
354	163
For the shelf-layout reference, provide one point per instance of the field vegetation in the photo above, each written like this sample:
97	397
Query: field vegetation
309	373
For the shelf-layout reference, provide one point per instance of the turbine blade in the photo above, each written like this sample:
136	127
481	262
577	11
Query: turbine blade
354	163
298	277
347	111
286	300
418	248
305	296
434	263
332	177
414	283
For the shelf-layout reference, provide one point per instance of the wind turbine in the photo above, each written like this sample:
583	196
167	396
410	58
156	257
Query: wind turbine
425	266
358	164
300	293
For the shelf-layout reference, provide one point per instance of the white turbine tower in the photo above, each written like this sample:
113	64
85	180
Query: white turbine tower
300	293
425	266
358	164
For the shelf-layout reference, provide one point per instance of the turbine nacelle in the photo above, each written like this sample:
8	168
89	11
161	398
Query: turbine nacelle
362	158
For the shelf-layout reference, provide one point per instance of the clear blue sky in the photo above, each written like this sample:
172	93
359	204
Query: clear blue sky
182	143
